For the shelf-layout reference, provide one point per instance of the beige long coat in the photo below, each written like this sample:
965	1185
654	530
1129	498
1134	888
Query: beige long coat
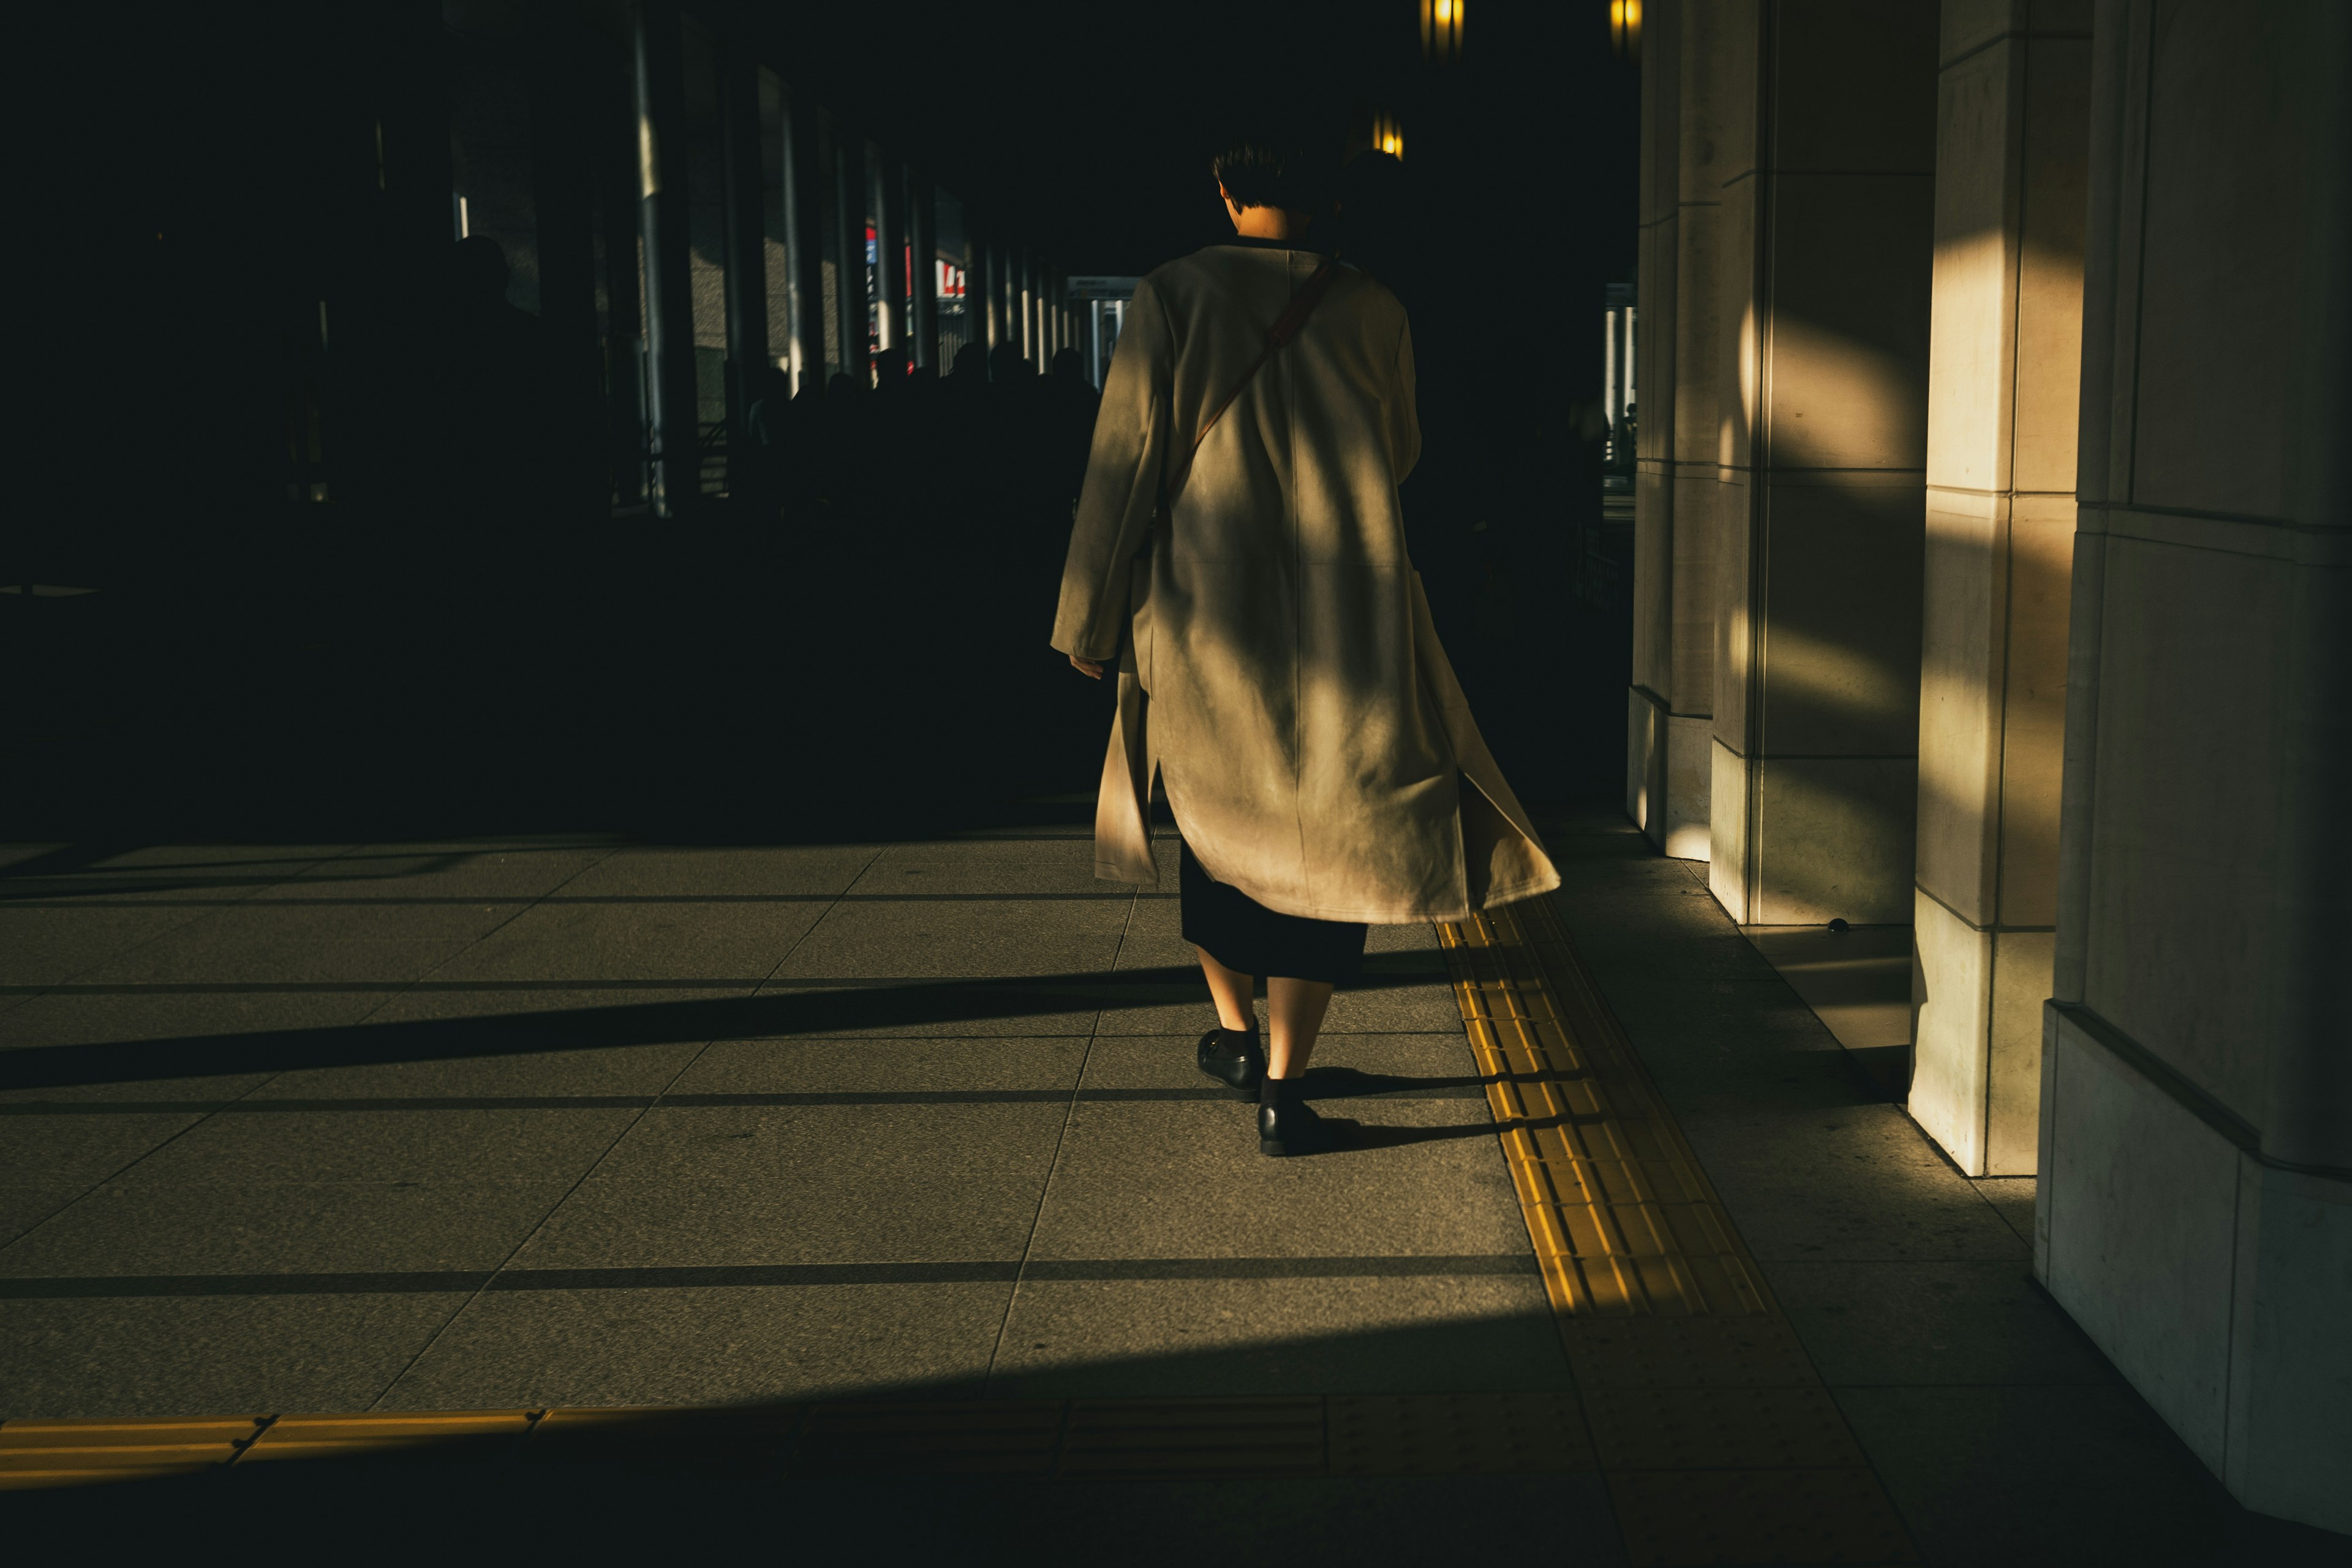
1277	665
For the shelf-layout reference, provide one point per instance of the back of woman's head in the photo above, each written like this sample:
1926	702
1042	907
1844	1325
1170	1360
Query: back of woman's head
1277	166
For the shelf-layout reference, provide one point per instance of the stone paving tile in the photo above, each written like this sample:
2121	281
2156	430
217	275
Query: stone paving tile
753	871
489	871
208	954
706	1345
1000	868
2059	1475
917	1065
1180	1524
924	1009
197	875
1193	1337
1921	1323
1343	1067
415	1023
192	1022
2013	1198
455	1147
24	1204
696	1185
597	1070
1621	875
76	1153
285	1227
42	944
272	916
1077	937
1185	1178
1155	939
213	1090
1380	1004
1392	1003
211	1354
724	943
1852	1185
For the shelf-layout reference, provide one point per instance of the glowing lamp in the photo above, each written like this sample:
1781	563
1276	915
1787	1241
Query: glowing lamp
1441	28
1625	27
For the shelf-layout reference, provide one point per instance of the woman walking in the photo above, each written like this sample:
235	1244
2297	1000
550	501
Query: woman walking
1239	555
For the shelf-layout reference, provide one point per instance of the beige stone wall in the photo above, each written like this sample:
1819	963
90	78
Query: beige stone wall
2013	146
1826	153
2196	1199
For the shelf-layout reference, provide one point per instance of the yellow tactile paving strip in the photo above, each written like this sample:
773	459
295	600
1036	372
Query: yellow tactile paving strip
1716	1438
1718	1441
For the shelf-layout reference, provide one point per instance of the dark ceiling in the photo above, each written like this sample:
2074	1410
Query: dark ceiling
1090	125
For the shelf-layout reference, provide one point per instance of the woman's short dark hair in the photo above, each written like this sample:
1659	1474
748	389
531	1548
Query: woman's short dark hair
1276	171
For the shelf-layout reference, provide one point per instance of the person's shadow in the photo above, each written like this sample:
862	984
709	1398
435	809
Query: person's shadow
1326	1084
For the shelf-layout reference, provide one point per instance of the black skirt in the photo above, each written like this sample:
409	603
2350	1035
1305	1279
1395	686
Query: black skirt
1244	935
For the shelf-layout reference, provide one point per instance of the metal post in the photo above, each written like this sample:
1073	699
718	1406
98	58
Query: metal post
891	254
922	201
747	278
852	297
803	237
662	217
980	293
1024	283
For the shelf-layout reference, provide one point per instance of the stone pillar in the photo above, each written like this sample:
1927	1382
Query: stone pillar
746	210
2004	374
1669	708
1025	301
1827	153
852	298
2195	1205
804	235
672	418
980	286
890	256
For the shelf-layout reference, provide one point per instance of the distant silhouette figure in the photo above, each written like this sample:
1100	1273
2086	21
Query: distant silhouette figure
841	441
757	475
1071	406
495	395
1007	368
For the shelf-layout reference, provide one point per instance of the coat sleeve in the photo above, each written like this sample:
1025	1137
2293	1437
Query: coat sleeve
1405	414
1122	487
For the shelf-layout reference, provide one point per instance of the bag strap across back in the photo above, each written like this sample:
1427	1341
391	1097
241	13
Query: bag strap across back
1285	327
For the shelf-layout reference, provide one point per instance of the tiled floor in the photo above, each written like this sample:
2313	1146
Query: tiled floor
569	1121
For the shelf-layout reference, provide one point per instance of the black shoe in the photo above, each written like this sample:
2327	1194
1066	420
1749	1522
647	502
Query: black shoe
1288	1124
1233	1058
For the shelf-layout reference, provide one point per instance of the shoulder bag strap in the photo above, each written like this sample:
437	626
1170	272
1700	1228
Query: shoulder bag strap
1285	328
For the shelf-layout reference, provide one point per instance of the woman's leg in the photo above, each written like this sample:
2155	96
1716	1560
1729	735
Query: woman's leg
1235	1009
1294	1014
